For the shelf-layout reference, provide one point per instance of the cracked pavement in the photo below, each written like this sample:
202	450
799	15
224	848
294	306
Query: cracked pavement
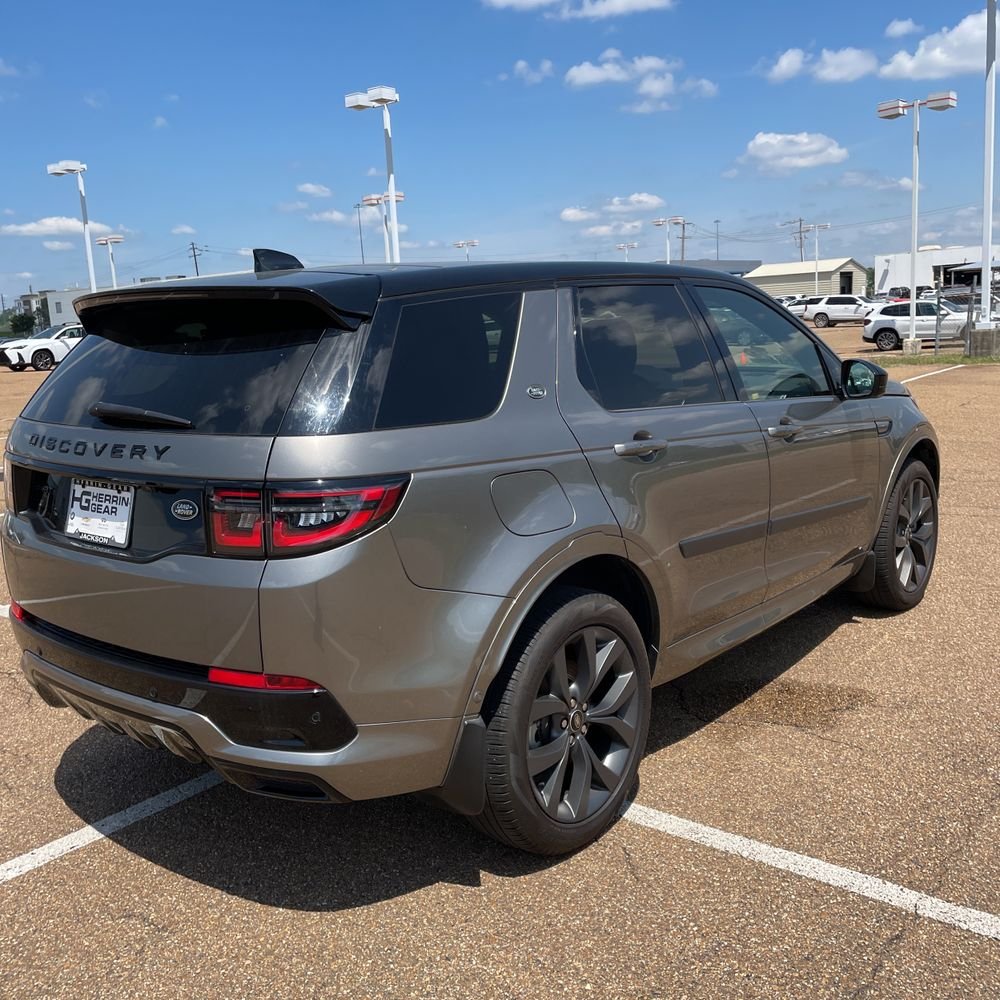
866	740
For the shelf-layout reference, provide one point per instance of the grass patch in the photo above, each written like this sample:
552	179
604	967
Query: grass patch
930	358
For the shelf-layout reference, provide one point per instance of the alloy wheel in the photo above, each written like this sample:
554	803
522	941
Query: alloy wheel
886	340
583	726
916	535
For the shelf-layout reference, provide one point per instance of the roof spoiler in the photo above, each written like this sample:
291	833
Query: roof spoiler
274	260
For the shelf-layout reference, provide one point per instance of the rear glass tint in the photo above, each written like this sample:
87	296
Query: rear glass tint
450	360
230	366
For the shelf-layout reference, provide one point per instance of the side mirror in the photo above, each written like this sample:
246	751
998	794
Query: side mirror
862	380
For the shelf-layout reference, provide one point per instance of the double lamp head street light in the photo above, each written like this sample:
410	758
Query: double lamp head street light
60	169
626	247
465	245
109	242
943	101
673	220
382	97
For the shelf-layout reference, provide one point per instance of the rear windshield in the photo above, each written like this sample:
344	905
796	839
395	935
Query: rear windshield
229	366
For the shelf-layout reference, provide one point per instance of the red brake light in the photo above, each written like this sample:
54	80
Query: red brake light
237	520
16	611
310	519
266	682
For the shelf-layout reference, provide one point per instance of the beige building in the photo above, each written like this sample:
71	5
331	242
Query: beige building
837	276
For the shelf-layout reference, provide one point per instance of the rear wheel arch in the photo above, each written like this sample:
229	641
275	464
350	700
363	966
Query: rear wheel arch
609	574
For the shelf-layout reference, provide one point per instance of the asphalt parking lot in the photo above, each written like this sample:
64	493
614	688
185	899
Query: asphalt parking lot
867	745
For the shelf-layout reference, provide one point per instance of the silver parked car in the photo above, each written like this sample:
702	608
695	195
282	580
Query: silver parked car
833	309
342	533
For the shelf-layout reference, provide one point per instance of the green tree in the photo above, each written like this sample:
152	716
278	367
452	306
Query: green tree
22	323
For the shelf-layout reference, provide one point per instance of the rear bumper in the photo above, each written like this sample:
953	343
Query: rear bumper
231	730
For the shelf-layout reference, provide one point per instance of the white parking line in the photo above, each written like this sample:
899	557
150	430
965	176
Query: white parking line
977	921
940	371
4	611
105	827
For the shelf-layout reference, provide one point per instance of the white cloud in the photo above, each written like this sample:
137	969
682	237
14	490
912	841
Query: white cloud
245	252
332	215
789	64
53	225
641	201
434	243
24	274
874	181
9	211
57	245
611	67
372	172
780	152
647	106
899	27
316	190
183	230
574	214
7	70
292	206
700	87
524	71
730	173
944	53
171	98
614	228
594	10
409	245
844	65
159	122
94	100
656	86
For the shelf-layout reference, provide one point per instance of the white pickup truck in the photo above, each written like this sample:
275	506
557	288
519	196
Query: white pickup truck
42	350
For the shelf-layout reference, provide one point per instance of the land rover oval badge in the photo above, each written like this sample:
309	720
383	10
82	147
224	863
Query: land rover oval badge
184	510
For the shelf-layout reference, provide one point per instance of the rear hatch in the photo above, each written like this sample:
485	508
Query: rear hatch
137	471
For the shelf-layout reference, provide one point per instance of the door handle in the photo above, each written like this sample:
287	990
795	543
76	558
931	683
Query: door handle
640	447
785	430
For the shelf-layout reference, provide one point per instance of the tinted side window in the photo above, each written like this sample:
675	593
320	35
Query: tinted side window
896	311
638	347
842	300
450	360
773	357
926	309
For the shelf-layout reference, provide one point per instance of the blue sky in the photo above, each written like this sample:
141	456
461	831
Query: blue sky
542	128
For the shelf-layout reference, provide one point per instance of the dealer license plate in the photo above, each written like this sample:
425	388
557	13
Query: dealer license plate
100	512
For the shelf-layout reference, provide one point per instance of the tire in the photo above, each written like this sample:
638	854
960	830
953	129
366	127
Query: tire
42	360
821	320
907	541
555	782
887	340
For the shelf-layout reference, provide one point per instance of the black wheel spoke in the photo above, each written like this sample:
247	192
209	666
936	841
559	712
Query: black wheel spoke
551	792
604	774
547	705
618	696
560	675
578	793
548	755
922	543
586	663
607	656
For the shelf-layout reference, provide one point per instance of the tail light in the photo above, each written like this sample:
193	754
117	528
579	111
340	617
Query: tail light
310	519
868	322
237	518
292	520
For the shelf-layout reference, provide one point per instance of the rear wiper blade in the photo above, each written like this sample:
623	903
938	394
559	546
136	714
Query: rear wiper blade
116	413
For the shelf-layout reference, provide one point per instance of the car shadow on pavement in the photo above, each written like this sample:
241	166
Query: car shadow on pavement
319	857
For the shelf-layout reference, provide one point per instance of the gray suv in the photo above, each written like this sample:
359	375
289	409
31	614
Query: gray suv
342	534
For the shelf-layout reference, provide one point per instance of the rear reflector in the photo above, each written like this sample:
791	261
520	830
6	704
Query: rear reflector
268	682
16	611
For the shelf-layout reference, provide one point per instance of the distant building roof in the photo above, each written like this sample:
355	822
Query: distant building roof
805	268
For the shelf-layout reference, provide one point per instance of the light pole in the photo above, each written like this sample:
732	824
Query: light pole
465	244
943	101
717	221
986	278
76	167
109	242
372	200
814	228
672	221
361	238
626	247
382	97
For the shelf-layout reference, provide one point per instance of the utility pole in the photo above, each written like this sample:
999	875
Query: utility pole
361	238
195	254
717	221
986	274
684	229
799	235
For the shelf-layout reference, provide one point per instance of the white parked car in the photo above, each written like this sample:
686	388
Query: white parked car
42	350
833	309
802	302
889	324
